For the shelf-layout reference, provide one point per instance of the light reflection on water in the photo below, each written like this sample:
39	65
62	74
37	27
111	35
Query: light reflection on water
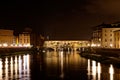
62	72
14	67
99	70
101	74
55	65
0	69
111	72
95	71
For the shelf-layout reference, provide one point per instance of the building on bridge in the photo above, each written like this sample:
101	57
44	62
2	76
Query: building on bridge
63	44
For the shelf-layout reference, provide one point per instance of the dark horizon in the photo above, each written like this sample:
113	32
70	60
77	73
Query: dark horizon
59	19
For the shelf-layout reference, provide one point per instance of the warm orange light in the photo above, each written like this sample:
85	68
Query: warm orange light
5	44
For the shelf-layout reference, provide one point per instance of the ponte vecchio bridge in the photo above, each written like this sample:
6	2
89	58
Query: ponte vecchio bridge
69	44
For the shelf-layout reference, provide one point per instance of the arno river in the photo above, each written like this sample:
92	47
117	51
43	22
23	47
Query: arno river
55	66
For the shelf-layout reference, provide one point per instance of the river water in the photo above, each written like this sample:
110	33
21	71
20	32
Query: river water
55	66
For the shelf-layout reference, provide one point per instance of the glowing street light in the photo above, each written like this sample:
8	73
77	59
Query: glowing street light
93	45
5	44
111	45
98	45
11	45
20	45
88	44
15	45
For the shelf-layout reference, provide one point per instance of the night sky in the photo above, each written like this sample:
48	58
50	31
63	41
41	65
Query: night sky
59	19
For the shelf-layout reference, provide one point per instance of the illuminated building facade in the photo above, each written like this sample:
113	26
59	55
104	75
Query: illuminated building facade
117	39
6	37
30	38
108	37
96	38
97	35
103	35
24	39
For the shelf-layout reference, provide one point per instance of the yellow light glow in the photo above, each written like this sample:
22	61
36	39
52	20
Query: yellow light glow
88	44
98	45
88	68
111	45
1	70
15	45
28	45
5	44
93	45
111	69
20	45
99	71
94	70
6	67
11	45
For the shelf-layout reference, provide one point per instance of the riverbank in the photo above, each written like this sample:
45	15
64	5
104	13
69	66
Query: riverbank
102	59
110	52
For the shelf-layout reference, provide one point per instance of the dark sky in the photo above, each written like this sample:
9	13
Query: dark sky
59	19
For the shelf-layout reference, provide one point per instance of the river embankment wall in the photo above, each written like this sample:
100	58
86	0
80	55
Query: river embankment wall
111	52
4	51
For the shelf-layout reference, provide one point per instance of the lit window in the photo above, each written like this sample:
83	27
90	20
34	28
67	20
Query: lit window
99	39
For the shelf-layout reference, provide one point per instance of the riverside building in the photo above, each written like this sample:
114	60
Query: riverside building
6	37
105	36
117	39
96	40
24	39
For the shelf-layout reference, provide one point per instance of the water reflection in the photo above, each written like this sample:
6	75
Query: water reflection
1	69
55	66
99	71
111	71
64	65
61	59
12	67
6	68
88	68
96	71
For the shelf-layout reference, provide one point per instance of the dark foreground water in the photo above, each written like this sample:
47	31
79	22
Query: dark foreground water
55	66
